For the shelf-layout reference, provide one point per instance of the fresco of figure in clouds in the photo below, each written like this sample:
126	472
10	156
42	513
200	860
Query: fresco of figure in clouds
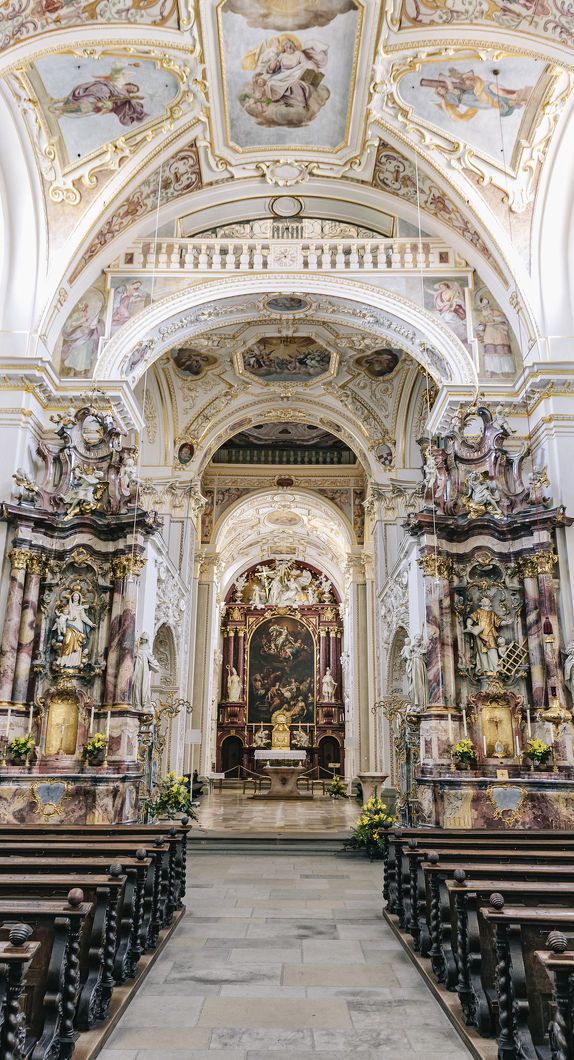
129	298
447	299
286	85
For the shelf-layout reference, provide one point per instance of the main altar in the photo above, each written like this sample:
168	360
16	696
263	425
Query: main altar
282	648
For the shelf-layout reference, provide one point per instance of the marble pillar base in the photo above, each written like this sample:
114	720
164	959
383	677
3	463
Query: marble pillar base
283	783
526	801
91	797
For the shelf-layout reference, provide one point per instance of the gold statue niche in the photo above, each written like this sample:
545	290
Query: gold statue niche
496	720
62	727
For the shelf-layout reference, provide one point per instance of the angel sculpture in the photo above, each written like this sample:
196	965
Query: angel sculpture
28	484
86	490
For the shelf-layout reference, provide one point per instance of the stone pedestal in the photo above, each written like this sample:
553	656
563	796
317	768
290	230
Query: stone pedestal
283	783
370	781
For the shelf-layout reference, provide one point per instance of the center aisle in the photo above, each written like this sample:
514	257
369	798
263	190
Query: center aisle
283	953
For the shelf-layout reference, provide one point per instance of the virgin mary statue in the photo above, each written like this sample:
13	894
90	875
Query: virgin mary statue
73	626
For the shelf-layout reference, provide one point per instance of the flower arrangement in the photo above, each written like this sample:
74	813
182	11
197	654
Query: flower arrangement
173	798
371	824
21	746
538	751
464	752
337	789
95	747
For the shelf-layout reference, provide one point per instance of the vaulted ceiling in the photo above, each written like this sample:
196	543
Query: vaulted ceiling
147	145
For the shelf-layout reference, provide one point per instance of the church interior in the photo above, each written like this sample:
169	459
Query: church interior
286	602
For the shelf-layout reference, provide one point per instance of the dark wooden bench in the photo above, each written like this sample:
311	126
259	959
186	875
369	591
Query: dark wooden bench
45	847
97	952
523	999
559	967
134	913
52	979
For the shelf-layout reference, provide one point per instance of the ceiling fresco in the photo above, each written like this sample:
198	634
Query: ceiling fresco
297	359
284	87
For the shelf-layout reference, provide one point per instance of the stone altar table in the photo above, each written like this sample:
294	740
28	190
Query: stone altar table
284	773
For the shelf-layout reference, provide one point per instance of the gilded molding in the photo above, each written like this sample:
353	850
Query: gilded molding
435	566
19	558
125	566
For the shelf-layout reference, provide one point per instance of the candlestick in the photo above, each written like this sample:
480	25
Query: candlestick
30	718
528	722
91	721
464	722
6	739
517	748
551	732
484	745
450	726
105	762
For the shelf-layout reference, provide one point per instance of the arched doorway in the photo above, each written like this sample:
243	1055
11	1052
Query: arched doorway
329	751
231	756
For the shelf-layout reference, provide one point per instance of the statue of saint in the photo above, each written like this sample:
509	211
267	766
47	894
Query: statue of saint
144	665
413	653
482	495
569	668
483	624
72	628
258	596
233	686
261	737
300	738
328	686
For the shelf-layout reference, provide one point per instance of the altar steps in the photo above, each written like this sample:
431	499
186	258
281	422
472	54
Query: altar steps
274	844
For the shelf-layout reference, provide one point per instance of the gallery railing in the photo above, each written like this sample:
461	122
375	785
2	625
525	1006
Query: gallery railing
288	255
404	725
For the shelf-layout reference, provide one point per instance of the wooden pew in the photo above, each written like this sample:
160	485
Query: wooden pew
46	847
97	953
135	910
15	958
523	1004
176	835
559	967
435	927
52	978
467	948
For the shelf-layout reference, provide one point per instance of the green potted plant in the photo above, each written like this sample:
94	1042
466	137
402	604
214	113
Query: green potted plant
538	753
370	828
337	789
464	754
173	798
95	749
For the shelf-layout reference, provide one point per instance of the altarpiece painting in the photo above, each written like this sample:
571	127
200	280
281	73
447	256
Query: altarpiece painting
281	671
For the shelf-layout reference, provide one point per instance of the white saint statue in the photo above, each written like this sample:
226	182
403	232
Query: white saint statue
261	737
569	668
145	664
413	653
258	596
72	628
482	494
328	686
233	686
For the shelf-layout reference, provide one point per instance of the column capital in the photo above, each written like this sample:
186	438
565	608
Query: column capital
435	566
124	566
37	565
19	558
539	563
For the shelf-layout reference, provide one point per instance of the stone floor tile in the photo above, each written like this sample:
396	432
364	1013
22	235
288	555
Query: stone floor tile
225	974
118	1054
270	1038
306	929
266	954
164	1039
157	1010
324	951
338	974
294	1014
263	990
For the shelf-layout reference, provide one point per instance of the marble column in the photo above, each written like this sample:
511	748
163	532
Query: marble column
333	662
228	661
117	568
551	641
529	571
19	559
439	647
322	662
133	566
36	569
241	656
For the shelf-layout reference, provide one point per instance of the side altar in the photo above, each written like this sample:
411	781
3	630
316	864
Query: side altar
488	721
76	544
282	648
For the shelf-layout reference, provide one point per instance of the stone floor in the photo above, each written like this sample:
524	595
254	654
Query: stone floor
283	954
231	810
